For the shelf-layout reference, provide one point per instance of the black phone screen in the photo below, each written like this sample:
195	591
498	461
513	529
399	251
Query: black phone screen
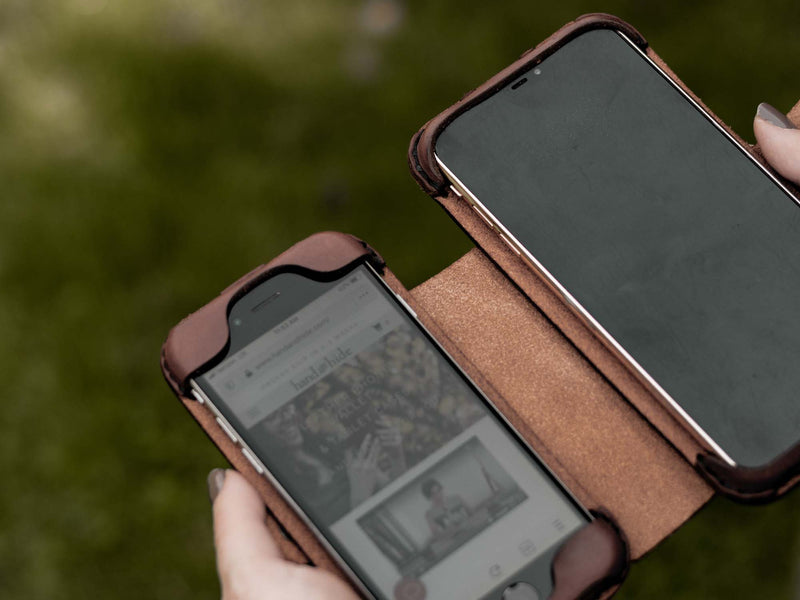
663	230
384	444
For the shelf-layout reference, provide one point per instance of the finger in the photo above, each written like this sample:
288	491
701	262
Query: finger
374	452
243	542
363	450
779	140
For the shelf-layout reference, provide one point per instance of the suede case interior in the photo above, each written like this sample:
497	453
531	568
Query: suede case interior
753	485
476	313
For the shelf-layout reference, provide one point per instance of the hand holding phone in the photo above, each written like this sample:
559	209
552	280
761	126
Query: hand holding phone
249	562
779	139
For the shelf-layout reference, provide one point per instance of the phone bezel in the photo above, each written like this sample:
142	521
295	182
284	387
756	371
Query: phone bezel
586	317
203	398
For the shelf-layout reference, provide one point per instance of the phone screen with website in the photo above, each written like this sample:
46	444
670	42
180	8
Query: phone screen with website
384	444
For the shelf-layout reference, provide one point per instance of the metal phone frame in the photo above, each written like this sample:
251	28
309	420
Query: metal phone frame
252	457
606	338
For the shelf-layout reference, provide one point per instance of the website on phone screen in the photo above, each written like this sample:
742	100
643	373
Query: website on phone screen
389	450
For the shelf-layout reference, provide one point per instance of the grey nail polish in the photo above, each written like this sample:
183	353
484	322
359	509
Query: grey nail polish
215	480
773	116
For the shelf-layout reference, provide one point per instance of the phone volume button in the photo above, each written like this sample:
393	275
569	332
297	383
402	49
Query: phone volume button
253	461
483	217
509	244
199	397
227	430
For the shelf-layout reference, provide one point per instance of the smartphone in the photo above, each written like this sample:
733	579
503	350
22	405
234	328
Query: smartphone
398	463
655	225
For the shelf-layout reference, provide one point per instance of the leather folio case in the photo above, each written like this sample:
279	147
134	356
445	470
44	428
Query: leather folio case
610	441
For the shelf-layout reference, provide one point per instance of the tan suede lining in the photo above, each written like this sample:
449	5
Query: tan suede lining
598	437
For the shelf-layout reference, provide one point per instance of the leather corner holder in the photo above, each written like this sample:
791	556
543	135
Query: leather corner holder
592	561
190	347
420	153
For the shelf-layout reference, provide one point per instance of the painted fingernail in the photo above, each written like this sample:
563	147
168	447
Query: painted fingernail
215	480
773	116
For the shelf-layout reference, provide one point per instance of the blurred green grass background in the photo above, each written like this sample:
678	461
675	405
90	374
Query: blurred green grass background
152	152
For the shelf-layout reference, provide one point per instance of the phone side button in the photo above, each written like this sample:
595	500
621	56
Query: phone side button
252	460
198	397
227	430
407	307
483	217
509	244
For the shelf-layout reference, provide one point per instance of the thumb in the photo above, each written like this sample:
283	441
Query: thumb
243	542
249	562
779	140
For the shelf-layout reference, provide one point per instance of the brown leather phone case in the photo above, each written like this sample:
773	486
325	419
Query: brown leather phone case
591	563
744	484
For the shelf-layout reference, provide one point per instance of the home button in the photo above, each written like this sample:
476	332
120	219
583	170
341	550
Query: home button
520	591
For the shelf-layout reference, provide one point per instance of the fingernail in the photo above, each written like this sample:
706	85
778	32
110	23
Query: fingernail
773	116
215	480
